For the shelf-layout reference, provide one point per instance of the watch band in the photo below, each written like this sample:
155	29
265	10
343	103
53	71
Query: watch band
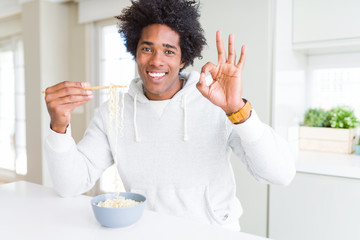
242	114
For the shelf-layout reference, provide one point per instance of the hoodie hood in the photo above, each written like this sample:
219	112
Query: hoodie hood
136	91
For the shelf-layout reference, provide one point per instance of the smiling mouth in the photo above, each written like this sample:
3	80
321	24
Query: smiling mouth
156	75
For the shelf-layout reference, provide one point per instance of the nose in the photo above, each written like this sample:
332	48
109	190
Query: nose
157	59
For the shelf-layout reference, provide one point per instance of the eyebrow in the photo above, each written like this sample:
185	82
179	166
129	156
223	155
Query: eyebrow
169	46
164	44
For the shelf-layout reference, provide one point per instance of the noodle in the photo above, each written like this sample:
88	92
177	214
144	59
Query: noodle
118	202
122	113
113	107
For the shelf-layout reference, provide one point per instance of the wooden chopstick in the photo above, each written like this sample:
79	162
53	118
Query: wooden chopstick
99	87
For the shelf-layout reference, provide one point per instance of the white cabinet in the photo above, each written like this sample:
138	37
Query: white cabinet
326	24
315	207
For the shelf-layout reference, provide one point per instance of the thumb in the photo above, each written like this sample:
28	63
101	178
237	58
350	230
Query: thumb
202	87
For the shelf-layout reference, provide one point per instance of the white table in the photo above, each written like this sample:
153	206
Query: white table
31	211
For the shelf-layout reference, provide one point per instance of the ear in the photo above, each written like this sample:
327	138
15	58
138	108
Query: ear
182	64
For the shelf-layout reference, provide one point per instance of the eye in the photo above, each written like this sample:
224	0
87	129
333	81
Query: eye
169	52
146	49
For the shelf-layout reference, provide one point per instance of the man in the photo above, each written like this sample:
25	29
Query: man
178	131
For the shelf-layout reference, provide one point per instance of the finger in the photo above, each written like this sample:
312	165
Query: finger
77	104
202	79
66	102
208	67
74	99
64	92
242	58
211	68
202	87
66	84
220	48
58	111
232	54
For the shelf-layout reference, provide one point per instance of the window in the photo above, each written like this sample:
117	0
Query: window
334	80
332	87
12	107
323	81
115	66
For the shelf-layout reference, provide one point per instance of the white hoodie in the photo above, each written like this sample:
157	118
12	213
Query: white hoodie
180	160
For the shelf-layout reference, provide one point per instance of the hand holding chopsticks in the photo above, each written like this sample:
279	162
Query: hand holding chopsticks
62	98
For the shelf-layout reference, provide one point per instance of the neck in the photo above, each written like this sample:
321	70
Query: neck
166	95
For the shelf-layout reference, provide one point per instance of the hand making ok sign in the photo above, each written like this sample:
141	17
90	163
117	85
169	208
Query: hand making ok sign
226	89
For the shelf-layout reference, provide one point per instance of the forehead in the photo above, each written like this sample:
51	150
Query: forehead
160	34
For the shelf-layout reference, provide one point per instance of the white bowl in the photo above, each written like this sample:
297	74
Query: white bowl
118	217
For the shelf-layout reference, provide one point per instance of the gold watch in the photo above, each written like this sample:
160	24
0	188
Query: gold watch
242	114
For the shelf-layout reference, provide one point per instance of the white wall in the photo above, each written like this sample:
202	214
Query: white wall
55	56
289	74
77	63
10	26
32	59
54	52
89	10
251	21
9	8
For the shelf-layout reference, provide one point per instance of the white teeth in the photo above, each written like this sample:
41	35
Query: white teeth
156	74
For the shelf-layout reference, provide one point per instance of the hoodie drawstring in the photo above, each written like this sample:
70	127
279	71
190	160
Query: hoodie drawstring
137	139
186	137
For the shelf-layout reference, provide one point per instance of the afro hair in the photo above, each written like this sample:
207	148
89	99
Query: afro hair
182	16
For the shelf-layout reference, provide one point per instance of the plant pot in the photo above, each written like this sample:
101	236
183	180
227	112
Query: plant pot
357	149
327	139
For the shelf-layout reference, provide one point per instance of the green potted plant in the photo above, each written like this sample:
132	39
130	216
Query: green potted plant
341	117
329	131
316	117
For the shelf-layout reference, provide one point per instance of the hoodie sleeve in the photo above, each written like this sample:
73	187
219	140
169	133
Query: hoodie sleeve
75	168
266	155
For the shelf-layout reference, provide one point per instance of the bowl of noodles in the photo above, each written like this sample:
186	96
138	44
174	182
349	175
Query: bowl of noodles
116	210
